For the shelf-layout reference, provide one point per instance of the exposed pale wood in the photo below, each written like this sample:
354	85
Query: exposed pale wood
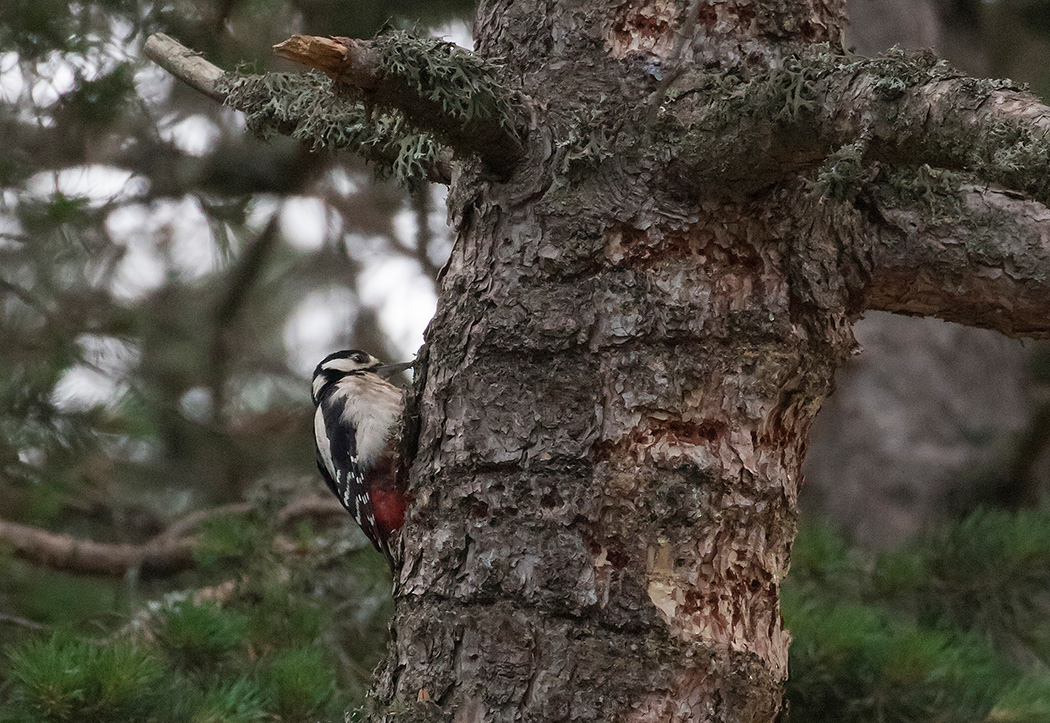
345	60
184	64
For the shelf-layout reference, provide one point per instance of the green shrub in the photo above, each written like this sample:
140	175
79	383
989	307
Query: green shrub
68	679
201	635
300	681
952	627
240	701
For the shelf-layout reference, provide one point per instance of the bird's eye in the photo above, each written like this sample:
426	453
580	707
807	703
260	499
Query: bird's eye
360	358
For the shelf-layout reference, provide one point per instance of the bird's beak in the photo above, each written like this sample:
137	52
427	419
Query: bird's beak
387	370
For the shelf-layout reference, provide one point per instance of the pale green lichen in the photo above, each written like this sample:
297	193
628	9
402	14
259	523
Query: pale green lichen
588	140
933	190
465	85
844	174
310	109
889	122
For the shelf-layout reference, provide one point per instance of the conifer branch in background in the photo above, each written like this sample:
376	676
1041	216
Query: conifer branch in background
167	553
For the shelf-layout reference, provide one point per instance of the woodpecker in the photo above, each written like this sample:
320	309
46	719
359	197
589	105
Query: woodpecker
356	435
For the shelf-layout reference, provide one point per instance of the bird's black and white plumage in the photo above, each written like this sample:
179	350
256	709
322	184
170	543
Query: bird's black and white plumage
356	433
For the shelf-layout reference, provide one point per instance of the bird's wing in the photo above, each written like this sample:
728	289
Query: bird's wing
337	460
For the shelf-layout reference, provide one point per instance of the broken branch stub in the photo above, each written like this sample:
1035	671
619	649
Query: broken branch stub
344	60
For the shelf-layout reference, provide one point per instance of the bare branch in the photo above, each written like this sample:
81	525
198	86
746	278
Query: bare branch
21	622
988	266
64	552
169	552
313	506
184	64
440	88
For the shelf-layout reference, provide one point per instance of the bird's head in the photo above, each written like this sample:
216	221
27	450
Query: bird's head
340	364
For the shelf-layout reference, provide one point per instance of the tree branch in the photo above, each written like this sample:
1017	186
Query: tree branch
844	116
64	552
21	622
986	265
246	93
169	552
439	87
186	65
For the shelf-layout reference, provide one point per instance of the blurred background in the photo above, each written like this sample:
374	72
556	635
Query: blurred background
167	283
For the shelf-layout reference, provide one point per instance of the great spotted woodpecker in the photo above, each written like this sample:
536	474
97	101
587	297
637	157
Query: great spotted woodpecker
356	433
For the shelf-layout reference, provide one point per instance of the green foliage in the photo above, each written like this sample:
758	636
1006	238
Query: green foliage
1026	702
201	635
69	679
950	628
33	27
859	663
227	539
990	571
239	701
300	681
261	643
101	101
245	660
46	594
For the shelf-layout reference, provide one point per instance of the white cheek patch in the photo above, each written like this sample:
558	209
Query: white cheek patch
318	385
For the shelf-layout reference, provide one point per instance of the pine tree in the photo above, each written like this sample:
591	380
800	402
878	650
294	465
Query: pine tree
661	242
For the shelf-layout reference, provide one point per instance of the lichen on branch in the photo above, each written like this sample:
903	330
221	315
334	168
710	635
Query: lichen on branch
465	85
439	88
822	109
309	108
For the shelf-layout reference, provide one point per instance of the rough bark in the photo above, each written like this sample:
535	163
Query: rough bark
986	265
613	420
626	359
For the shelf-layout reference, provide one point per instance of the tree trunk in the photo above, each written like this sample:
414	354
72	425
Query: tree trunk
620	383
